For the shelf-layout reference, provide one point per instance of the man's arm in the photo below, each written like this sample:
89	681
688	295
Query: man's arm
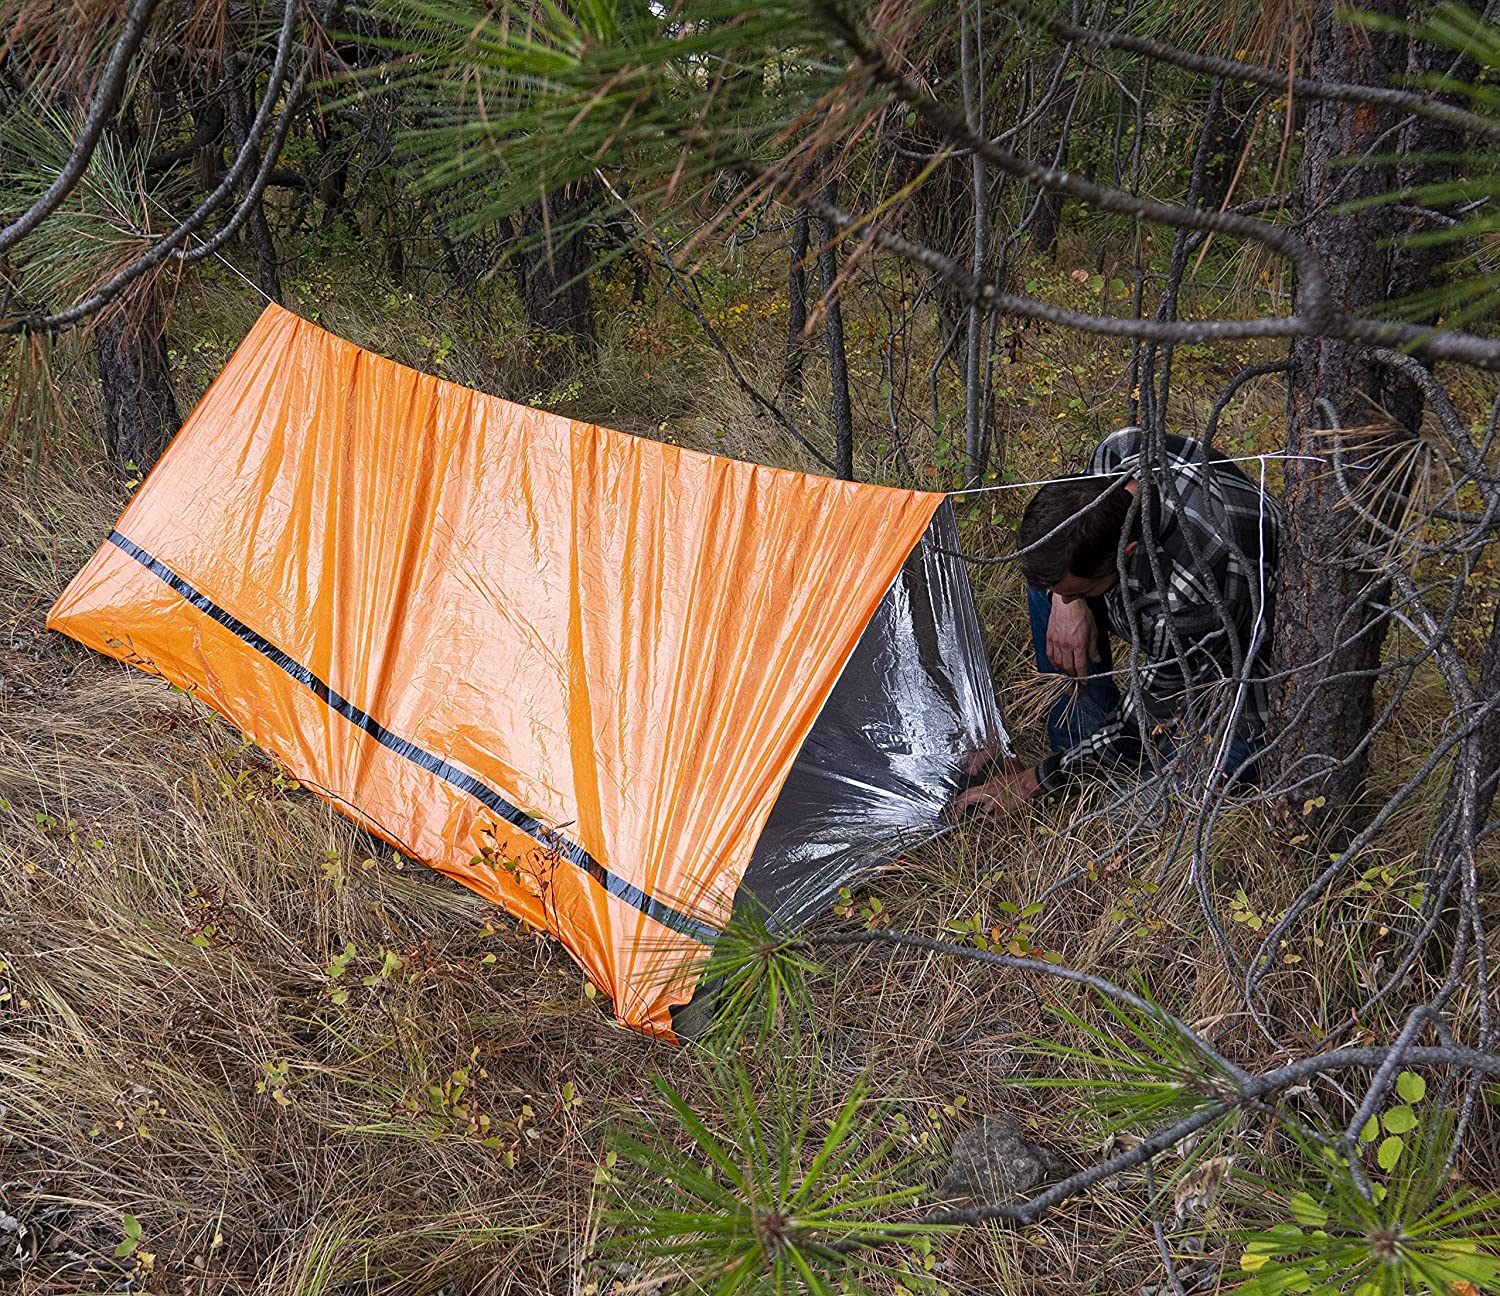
1166	679
1072	637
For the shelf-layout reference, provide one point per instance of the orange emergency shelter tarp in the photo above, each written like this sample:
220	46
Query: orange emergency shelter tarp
568	667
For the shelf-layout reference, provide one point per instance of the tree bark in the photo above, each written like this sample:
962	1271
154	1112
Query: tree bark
140	410
1423	144
1231	131
640	276
1047	223
333	173
976	429
267	271
395	243
1485	743
1327	633
208	125
833	331
796	293
552	266
1465	810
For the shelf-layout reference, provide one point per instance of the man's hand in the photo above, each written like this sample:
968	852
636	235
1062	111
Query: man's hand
1002	794
981	759
1072	637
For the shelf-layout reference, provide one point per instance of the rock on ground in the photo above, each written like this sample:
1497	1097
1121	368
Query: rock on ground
995	1162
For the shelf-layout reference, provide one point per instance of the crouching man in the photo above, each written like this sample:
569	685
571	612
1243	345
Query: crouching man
1201	596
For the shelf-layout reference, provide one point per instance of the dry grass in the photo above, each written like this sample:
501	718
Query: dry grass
1027	700
185	1043
306	1067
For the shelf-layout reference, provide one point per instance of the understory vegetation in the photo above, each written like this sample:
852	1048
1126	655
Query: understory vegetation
247	1048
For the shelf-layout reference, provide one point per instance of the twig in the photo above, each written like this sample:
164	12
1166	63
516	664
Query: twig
718	342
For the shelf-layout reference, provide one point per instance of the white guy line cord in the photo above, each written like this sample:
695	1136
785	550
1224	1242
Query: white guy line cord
219	256
971	490
1255	458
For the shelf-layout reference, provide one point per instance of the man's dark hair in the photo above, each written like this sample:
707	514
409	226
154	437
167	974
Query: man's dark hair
1088	514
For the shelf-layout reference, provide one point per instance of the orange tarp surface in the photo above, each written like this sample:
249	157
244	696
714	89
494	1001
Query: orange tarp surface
568	667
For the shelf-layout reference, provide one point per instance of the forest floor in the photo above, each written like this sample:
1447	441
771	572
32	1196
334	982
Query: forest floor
244	1048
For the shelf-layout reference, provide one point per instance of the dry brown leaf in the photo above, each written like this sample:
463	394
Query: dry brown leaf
1197	1189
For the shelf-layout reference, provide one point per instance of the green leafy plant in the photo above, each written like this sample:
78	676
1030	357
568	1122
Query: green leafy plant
1011	933
754	1191
869	909
130	1227
337	966
1326	1229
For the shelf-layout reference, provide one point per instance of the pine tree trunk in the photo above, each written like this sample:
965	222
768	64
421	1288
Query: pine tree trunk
976	427
333	173
1485	767
1415	269
1231	131
140	410
1047	223
552	266
1467	802
266	270
1327	632
796	293
833	331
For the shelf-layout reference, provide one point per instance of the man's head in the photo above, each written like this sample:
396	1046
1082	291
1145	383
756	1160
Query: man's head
1087	515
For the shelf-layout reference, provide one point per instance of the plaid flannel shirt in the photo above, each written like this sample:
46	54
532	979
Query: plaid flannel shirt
1216	509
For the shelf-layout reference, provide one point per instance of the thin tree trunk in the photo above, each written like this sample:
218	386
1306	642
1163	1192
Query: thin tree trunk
1231	130
395	245
1327	632
640	276
130	348
976	440
1485	766
1138	276
796	294
554	262
395	257
333	174
1047	223
267	272
1423	143
140	410
1467	801
833	331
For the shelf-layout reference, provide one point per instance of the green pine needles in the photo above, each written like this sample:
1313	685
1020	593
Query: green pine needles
762	979
1149	1073
753	1189
752	1179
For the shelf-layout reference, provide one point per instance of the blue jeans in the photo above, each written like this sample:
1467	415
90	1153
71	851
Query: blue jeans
1073	717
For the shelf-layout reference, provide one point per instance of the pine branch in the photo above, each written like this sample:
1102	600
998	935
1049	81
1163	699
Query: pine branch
99	115
1276	79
